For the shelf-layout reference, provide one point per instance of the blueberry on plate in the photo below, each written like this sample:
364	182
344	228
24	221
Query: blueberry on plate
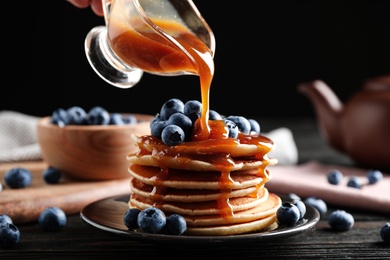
130	218
374	176
52	175
151	220
301	207
317	203
52	219
335	177
288	213
18	177
9	234
341	220
385	233
292	197
175	224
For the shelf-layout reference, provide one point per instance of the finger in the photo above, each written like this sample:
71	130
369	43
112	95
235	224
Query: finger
80	3
97	7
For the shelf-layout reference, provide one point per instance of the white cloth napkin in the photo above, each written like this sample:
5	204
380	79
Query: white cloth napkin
18	140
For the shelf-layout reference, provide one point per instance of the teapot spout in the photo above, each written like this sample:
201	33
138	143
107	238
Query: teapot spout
328	109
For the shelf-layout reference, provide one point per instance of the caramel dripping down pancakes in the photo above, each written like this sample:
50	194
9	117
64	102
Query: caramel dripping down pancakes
217	185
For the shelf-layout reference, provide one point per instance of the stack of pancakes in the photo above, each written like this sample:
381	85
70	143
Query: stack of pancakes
218	186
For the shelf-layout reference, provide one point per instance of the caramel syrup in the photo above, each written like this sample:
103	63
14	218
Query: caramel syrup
143	48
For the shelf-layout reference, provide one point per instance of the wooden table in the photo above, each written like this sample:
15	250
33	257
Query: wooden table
81	241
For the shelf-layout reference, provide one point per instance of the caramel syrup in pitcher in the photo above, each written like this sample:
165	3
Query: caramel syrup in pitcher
141	47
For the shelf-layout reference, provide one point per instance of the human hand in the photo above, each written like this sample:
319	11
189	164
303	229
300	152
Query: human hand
96	5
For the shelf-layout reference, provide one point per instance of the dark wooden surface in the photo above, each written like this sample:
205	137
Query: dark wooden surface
81	241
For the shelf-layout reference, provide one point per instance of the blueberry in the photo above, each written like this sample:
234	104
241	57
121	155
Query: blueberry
98	116
374	176
157	126
232	128
292	197
214	115
52	219
172	135
170	107
129	119
193	109
301	207
317	203
18	177
287	213
341	220
5	219
175	224
151	220
183	121
354	182
52	175
242	123
255	126
77	116
385	233
130	218
116	119
59	117
335	177
9	234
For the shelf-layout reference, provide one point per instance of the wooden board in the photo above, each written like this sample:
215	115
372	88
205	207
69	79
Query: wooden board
25	204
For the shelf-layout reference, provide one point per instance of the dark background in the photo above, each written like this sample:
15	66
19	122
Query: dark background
264	50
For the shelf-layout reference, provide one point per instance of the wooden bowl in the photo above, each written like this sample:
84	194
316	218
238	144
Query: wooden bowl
90	152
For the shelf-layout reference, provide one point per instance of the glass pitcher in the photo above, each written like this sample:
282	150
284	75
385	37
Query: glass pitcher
162	37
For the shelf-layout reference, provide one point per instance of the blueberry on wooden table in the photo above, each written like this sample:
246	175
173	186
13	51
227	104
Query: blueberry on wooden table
341	220
52	175
18	177
52	219
385	233
9	235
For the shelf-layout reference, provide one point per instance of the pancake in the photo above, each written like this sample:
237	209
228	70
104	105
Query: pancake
193	164
217	185
265	209
233	147
184	195
197	180
267	223
221	206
